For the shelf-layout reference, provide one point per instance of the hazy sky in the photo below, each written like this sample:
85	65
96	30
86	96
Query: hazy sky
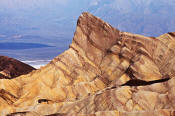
57	18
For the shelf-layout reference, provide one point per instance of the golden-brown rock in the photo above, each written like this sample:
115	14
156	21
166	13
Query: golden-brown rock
103	70
162	112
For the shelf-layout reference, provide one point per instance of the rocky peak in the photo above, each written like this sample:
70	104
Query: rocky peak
94	36
99	33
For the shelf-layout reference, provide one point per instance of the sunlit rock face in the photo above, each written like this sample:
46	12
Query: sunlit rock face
104	72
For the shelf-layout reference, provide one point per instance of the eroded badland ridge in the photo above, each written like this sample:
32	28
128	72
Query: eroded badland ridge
105	72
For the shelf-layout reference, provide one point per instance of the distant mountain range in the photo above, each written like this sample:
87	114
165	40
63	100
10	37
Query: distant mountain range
147	17
18	46
54	18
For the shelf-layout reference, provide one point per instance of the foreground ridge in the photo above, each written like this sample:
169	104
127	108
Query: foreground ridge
104	71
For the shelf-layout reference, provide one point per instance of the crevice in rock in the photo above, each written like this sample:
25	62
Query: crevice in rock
138	82
130	72
43	100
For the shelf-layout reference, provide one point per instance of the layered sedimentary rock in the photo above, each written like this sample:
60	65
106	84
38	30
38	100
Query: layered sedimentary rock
11	68
104	72
117	113
163	112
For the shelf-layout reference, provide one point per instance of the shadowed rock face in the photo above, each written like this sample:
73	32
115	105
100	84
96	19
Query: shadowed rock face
104	72
11	68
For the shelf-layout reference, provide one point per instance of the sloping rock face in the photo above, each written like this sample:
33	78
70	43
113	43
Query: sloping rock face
11	68
104	72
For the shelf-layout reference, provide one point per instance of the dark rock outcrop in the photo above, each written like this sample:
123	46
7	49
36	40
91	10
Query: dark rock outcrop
11	68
